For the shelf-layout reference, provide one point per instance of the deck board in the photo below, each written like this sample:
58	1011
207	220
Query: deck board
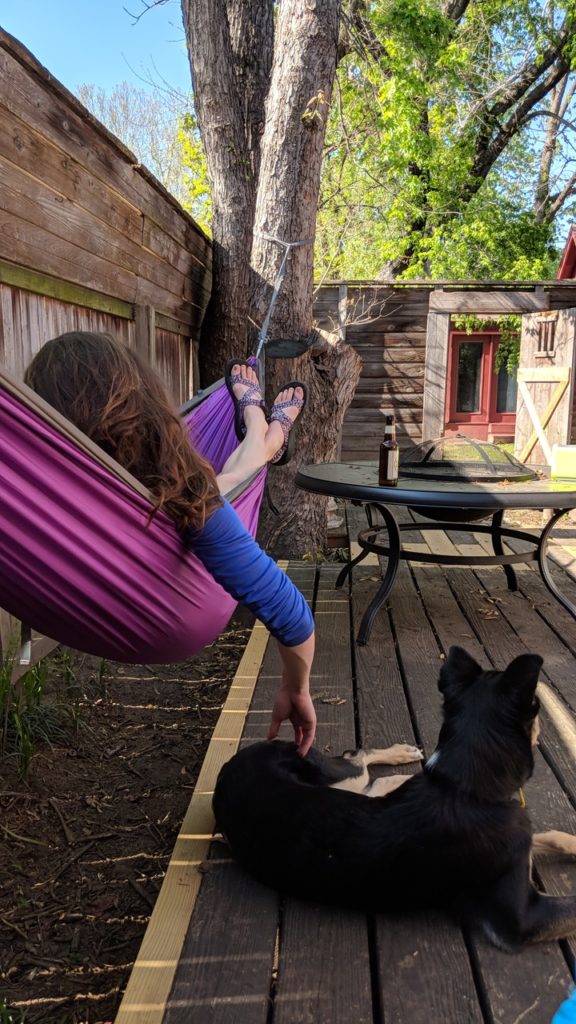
250	956
324	968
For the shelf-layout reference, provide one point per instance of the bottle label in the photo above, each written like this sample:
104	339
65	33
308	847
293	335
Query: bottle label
388	466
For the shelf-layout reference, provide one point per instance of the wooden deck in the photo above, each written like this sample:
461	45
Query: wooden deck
221	949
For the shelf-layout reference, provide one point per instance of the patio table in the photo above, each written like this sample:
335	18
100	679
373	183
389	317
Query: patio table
459	502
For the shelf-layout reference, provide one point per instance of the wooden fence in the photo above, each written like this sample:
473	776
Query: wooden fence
89	239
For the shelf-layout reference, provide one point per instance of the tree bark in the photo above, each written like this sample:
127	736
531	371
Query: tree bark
291	155
268	181
305	54
221	117
252	39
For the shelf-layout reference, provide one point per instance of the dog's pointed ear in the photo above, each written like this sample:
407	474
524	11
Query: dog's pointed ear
459	670
521	675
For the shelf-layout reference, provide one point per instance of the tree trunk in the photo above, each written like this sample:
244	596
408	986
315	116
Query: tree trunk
331	372
269	182
252	38
305	53
221	117
297	107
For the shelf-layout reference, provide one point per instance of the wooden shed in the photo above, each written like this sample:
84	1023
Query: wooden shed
386	324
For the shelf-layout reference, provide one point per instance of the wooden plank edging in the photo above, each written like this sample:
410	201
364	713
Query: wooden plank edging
150	982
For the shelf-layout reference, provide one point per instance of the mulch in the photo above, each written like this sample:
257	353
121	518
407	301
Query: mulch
87	834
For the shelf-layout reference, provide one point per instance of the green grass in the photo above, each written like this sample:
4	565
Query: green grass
26	718
8	1016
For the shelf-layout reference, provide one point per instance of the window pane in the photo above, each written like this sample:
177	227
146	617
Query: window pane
469	375
507	391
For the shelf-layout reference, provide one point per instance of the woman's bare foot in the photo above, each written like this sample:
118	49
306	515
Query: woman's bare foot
250	455
247	391
262	442
288	405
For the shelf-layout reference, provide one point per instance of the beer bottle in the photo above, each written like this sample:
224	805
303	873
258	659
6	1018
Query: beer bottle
388	466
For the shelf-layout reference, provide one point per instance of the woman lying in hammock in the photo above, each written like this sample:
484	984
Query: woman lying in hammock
120	402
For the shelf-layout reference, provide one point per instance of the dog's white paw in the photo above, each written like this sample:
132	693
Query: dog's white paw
403	753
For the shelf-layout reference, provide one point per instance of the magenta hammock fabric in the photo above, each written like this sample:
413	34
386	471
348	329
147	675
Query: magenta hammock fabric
77	562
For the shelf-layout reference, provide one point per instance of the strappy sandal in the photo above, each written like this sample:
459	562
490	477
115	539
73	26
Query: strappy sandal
253	396
284	454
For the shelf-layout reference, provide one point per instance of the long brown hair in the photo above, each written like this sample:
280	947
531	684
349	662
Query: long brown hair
119	401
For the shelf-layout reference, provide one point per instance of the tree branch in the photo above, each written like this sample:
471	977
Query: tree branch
542	194
557	201
488	150
515	86
455	9
357	35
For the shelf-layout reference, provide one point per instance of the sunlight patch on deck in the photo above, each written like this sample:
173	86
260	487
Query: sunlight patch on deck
153	973
561	717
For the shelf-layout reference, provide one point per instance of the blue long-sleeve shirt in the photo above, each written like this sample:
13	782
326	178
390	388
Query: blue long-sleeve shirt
232	556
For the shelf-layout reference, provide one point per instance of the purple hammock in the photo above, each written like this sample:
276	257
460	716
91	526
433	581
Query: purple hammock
77	561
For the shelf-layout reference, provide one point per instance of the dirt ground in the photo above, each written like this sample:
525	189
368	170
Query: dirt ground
86	836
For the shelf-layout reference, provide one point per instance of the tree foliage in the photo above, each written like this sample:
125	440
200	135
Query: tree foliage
450	146
150	123
450	149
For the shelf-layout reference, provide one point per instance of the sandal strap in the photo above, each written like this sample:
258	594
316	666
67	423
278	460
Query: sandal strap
288	403
253	395
279	416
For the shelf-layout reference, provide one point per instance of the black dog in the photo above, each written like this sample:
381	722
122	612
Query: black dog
454	836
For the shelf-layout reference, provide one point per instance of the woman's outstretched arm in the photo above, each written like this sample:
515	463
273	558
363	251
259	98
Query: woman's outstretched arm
238	563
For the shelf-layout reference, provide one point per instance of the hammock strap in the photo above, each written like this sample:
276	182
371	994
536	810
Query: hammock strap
287	246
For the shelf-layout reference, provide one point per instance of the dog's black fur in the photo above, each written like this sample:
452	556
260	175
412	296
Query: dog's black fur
453	836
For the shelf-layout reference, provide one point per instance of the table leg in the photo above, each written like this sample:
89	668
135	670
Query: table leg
499	550
345	572
543	564
388	578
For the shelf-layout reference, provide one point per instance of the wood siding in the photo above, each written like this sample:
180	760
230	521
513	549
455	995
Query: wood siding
543	371
387	327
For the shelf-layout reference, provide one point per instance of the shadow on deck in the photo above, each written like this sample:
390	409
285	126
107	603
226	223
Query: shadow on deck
221	948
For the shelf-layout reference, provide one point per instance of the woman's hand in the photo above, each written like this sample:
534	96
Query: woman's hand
298	709
293	702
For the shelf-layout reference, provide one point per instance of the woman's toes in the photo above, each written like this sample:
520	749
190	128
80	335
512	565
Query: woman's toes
248	375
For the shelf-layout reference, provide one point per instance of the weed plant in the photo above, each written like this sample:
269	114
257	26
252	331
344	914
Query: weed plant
8	1016
26	718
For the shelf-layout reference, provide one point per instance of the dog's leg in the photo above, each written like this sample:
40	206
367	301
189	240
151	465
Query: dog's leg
386	785
550	917
554	842
400	753
516	913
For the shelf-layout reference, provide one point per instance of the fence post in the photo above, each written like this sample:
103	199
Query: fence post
145	333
